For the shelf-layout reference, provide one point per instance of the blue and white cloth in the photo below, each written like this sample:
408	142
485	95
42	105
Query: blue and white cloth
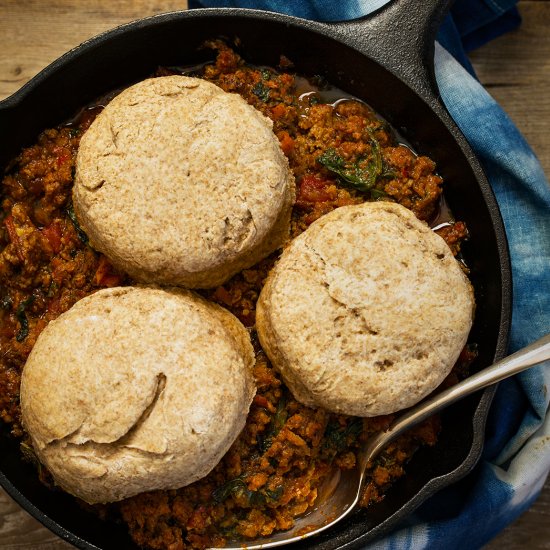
516	458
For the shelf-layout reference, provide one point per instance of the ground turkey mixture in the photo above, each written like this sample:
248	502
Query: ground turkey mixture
341	153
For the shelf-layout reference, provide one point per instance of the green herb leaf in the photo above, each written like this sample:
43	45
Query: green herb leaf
362	174
337	437
389	172
274	495
377	194
266	74
6	302
79	231
275	426
227	489
376	165
255	498
333	161
21	316
238	486
261	91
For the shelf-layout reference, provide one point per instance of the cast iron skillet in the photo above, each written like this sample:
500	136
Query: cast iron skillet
385	59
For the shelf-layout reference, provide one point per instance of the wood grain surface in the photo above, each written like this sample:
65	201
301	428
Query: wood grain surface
514	68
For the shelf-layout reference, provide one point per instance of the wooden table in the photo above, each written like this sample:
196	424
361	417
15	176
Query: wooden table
515	69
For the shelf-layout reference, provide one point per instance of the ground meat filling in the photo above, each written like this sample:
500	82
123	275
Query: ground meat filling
341	153
45	264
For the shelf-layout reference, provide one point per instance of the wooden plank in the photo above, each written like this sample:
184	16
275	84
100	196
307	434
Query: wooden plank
33	33
515	69
18	530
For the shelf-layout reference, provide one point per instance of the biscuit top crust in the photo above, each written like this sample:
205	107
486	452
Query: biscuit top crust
126	389
180	182
366	312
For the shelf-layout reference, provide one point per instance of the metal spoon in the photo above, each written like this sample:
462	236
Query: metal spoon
339	495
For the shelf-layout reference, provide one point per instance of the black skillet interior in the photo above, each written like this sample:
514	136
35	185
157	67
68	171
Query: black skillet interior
133	52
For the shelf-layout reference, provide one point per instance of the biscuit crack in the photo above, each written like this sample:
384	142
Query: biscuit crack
355	312
114	134
325	283
71	439
161	384
239	232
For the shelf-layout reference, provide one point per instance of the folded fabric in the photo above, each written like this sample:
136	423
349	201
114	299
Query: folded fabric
477	21
516	457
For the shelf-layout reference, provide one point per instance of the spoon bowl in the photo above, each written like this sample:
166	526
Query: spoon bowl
341	491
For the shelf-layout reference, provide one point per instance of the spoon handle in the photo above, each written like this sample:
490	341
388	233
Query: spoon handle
535	353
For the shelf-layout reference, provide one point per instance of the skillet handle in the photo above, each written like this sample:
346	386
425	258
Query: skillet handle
401	37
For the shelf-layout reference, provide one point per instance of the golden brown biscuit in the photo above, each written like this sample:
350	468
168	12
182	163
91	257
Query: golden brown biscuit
179	182
366	312
135	389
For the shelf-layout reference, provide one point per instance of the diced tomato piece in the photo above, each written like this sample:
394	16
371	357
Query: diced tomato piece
14	237
223	296
278	111
105	275
248	319
287	143
453	235
8	327
53	233
314	189
198	519
260	401
10	226
54	307
63	155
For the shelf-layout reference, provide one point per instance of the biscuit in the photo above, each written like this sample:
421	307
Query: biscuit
366	312
179	182
135	389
